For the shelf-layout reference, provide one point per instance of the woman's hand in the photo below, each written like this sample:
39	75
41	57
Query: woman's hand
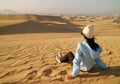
69	77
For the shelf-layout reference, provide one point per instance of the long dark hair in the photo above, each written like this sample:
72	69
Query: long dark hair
91	42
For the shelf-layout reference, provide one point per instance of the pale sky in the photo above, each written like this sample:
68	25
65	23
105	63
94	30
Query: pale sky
99	7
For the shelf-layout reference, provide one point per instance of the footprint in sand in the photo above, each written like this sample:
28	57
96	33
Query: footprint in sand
63	72
31	75
109	52
47	72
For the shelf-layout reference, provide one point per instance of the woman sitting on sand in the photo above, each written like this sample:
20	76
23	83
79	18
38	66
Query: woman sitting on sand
86	54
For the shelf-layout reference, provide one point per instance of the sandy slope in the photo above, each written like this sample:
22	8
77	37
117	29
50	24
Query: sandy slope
31	59
29	44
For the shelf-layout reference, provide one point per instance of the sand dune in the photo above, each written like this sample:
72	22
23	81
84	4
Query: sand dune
32	17
36	24
38	27
27	55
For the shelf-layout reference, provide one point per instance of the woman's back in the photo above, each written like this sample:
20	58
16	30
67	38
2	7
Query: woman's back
88	56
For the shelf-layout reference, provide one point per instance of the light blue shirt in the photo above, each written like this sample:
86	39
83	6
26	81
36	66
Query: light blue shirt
84	58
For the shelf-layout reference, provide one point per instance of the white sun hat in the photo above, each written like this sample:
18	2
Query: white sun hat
88	31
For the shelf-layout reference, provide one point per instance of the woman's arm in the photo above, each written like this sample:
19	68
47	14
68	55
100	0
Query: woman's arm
101	64
76	64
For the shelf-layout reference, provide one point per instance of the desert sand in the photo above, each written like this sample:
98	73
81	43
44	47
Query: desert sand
28	48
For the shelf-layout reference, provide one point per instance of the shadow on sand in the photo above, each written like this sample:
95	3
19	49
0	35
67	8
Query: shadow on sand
37	27
97	72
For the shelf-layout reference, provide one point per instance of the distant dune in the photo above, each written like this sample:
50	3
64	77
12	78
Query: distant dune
31	17
37	24
8	11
